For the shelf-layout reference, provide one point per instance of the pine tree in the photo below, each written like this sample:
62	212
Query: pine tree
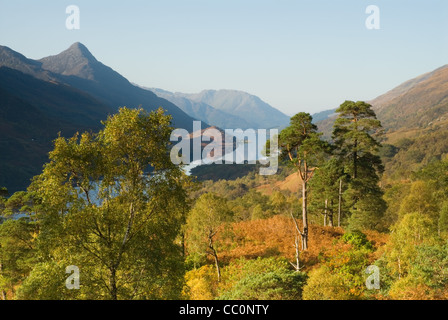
325	195
301	144
355	137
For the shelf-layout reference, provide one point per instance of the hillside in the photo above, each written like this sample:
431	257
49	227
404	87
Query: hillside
275	237
32	112
416	104
415	118
323	115
410	108
291	183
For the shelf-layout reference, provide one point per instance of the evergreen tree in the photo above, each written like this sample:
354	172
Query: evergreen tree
327	186
301	144
355	132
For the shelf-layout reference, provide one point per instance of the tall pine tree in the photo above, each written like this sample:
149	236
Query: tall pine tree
301	144
355	137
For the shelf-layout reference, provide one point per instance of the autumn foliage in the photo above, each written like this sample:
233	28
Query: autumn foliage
274	237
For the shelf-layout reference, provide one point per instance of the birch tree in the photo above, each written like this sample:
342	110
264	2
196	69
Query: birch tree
206	220
112	204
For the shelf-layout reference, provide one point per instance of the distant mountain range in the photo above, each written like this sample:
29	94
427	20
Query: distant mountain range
323	115
203	111
227	109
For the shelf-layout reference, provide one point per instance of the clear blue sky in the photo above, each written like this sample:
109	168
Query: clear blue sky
296	55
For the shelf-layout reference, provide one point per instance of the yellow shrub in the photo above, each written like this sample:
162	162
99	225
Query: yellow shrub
201	283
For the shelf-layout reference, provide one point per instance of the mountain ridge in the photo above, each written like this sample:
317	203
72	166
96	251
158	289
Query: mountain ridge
77	67
15	60
107	85
252	109
203	111
76	60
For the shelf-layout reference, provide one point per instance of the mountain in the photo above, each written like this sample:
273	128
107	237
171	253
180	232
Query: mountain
384	99
78	61
415	120
416	104
32	113
410	109
415	116
14	60
203	111
78	68
65	93
250	108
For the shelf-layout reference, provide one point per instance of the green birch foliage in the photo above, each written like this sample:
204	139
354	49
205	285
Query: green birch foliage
206	219
17	253
102	211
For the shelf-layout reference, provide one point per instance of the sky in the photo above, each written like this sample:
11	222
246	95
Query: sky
297	55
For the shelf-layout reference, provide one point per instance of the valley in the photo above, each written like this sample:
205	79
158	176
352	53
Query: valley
86	164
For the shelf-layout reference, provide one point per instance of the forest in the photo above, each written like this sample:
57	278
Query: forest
351	217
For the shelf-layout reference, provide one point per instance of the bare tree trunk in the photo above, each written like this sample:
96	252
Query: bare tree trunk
325	212
113	284
3	291
218	270
305	175
183	242
297	241
340	203
296	247
115	264
330	215
214	254
304	233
